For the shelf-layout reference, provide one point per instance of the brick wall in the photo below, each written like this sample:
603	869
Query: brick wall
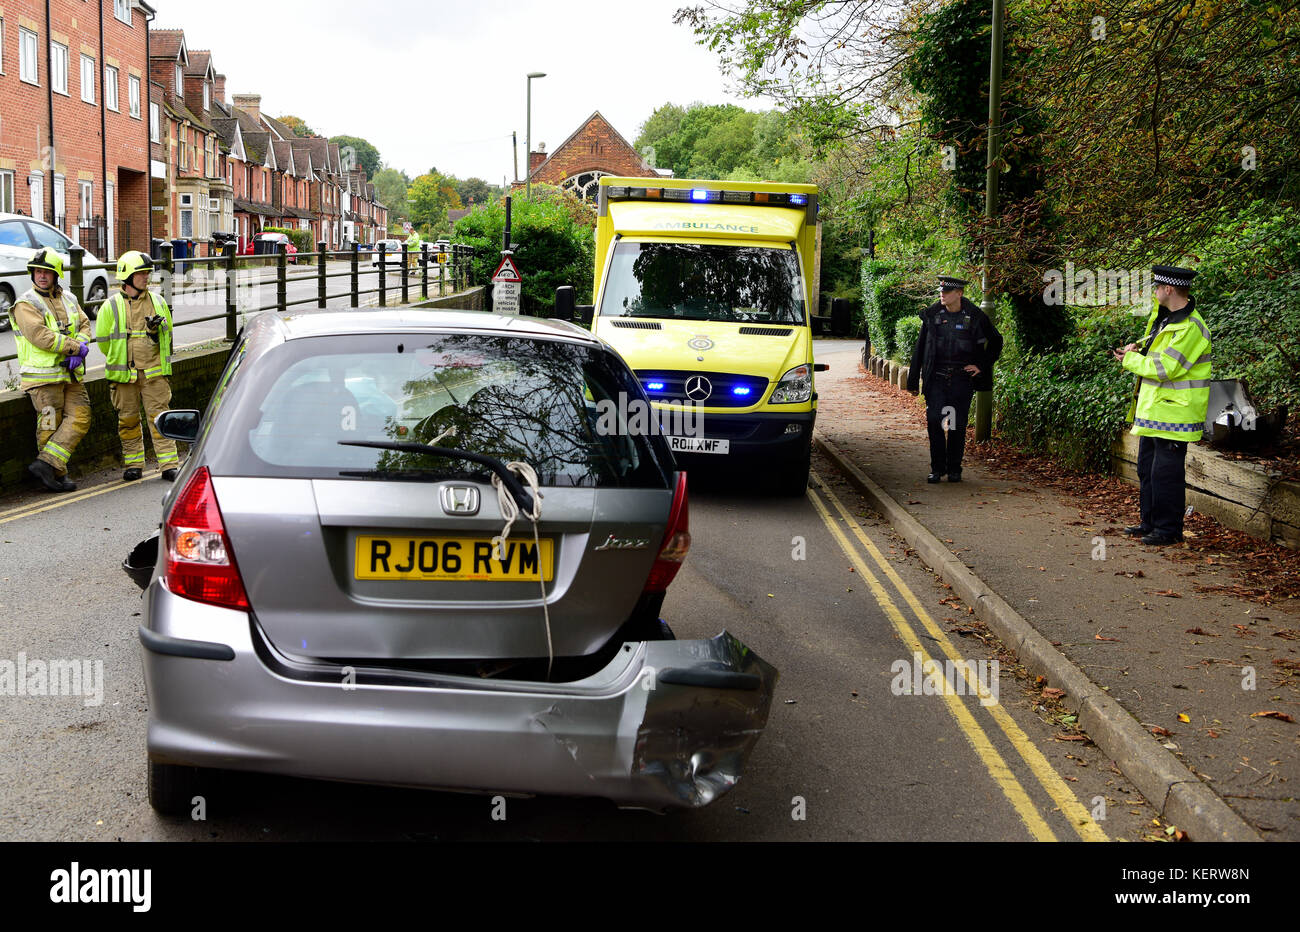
596	147
85	135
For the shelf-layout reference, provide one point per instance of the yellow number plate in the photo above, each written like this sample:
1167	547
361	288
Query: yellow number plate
469	558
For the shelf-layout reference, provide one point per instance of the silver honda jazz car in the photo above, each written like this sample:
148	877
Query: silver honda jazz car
429	549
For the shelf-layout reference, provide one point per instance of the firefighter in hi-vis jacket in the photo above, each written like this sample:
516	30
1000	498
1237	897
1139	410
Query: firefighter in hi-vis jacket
52	334
134	329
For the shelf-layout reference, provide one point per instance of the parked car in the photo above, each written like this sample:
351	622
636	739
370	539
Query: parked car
269	244
325	599
392	254
20	237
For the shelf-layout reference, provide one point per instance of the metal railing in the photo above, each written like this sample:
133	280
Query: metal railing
449	275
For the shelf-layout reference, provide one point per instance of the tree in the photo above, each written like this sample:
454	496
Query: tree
390	188
298	125
662	124
363	154
429	197
474	190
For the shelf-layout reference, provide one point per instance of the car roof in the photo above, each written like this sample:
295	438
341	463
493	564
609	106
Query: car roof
269	328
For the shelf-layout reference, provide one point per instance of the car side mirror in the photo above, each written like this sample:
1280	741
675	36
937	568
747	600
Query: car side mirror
583	314
181	424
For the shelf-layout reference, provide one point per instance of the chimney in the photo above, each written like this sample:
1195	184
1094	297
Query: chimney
536	158
250	104
219	88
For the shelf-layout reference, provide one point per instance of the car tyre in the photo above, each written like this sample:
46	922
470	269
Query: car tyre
6	302
172	788
792	480
98	292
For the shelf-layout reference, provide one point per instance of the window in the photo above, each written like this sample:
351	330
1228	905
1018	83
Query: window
180	82
2	45
185	148
44	236
6	192
14	233
86	193
133	95
28	68
87	79
59	67
110	87
155	129
122	10
60	202
207	96
187	223
214	205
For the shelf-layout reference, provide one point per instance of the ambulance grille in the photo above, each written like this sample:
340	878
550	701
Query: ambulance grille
766	331
638	324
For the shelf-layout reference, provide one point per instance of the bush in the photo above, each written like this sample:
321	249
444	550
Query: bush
555	234
906	333
301	239
885	300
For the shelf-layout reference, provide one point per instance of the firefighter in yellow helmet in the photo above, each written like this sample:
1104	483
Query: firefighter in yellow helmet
134	329
52	334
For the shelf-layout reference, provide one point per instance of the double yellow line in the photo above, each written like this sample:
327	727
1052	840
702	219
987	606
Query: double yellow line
1002	774
26	511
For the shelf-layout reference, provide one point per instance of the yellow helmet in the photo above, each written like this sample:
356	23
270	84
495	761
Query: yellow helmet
46	259
131	262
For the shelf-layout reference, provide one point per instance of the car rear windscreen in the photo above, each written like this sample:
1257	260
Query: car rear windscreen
555	405
691	281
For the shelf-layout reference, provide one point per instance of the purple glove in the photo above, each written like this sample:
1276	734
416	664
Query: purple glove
78	359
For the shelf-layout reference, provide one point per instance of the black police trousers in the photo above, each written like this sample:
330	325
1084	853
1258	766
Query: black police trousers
1162	484
947	405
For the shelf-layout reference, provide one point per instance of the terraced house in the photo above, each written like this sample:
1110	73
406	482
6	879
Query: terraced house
74	141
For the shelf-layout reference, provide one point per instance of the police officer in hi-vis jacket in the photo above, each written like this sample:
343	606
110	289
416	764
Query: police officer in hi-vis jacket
953	359
1172	363
134	329
52	335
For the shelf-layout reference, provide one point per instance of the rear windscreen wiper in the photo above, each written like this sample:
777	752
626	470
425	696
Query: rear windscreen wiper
521	495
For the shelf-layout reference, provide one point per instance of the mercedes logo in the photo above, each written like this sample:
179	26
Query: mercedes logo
698	388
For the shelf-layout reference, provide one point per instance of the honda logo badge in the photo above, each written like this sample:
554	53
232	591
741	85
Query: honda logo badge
459	499
698	388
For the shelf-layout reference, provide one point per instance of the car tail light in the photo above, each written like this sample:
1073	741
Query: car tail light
677	541
200	564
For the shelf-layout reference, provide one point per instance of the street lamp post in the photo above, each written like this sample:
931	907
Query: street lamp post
528	137
984	400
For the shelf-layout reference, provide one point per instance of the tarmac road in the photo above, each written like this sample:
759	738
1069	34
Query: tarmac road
844	757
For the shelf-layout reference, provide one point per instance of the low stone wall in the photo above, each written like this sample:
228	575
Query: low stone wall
194	375
472	299
1239	495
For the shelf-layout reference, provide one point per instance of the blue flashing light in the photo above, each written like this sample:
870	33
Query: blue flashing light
799	199
741	390
699	194
655	386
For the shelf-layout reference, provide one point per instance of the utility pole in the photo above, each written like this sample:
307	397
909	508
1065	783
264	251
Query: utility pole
514	148
528	137
984	400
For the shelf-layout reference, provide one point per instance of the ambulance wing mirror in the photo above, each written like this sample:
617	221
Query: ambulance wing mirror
181	424
565	302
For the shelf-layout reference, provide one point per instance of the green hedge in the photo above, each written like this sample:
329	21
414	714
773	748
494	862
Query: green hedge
301	239
906	333
885	300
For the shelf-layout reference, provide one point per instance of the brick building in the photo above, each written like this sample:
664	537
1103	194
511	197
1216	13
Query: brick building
74	143
594	149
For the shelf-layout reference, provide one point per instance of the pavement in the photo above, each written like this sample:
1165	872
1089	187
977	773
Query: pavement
1169	680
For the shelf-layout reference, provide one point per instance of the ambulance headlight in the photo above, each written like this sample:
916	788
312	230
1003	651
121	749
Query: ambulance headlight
794	387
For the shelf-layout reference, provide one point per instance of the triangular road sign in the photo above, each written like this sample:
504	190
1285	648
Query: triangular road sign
506	271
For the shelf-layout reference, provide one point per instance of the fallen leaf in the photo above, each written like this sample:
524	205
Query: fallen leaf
1169	593
1160	732
1182	717
1063	737
1273	713
1202	632
1051	692
1212	733
1098	637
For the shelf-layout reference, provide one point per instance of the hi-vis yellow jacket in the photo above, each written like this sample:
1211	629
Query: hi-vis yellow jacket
113	332
42	344
1174	377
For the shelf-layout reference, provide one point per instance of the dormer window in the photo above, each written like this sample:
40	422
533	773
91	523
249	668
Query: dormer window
207	96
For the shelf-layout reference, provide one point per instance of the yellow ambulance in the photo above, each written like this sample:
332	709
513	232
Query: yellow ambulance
704	288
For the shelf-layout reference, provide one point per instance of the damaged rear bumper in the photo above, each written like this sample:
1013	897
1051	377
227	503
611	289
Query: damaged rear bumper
666	724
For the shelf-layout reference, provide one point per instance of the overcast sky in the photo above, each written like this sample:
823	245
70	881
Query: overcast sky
465	63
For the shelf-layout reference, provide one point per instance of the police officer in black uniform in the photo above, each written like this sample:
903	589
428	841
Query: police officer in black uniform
952	360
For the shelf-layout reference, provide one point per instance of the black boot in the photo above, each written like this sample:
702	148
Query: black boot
49	478
132	473
1138	530
933	477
